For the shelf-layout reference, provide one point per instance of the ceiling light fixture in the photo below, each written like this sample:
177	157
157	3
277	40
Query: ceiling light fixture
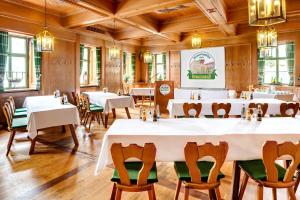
44	39
266	37
196	41
148	58
266	12
114	51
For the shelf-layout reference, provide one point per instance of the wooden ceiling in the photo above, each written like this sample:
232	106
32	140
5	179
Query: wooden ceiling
161	20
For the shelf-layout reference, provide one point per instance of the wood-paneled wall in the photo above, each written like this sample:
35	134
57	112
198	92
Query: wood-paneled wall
59	68
238	67
174	69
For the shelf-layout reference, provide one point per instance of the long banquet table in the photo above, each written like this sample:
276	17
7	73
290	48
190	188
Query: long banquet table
245	138
47	111
175	106
111	101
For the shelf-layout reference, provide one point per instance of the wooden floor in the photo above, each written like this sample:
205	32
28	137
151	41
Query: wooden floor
56	172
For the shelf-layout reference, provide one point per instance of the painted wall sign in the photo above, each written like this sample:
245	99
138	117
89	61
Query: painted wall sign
164	89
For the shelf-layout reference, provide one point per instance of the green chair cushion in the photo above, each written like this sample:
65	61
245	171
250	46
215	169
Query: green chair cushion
20	114
92	105
96	109
133	169
21	109
256	169
183	174
19	122
211	116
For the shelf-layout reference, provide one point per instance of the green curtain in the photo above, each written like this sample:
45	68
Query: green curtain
133	67
81	57
98	64
3	57
150	66
261	68
164	57
124	65
291	61
37	56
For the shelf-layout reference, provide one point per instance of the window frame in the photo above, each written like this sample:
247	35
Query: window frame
163	65
88	60
277	60
9	60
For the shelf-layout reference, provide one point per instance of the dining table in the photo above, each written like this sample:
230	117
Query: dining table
175	106
245	138
110	102
48	111
142	92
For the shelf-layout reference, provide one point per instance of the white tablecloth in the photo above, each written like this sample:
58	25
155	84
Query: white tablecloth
205	94
175	106
110	100
47	111
245	139
142	92
263	95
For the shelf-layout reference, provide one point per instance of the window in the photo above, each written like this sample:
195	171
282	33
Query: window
276	65
157	70
84	74
16	70
90	65
160	60
128	67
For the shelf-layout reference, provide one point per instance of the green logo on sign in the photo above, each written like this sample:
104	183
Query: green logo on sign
202	67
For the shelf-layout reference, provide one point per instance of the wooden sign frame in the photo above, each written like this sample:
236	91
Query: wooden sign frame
163	92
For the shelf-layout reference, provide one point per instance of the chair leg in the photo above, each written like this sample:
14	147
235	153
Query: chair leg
102	119
178	189
297	181
217	190
118	194
91	119
87	118
97	117
84	119
243	186
150	194
10	141
33	141
113	192
260	192
186	193
274	193
154	196
292	193
212	194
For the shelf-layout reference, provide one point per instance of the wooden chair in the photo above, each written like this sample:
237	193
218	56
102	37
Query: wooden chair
192	106
285	107
201	175
221	106
293	108
77	102
264	107
16	112
269	174
92	112
13	124
134	176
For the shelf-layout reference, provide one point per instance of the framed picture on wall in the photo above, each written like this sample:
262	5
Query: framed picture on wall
203	68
